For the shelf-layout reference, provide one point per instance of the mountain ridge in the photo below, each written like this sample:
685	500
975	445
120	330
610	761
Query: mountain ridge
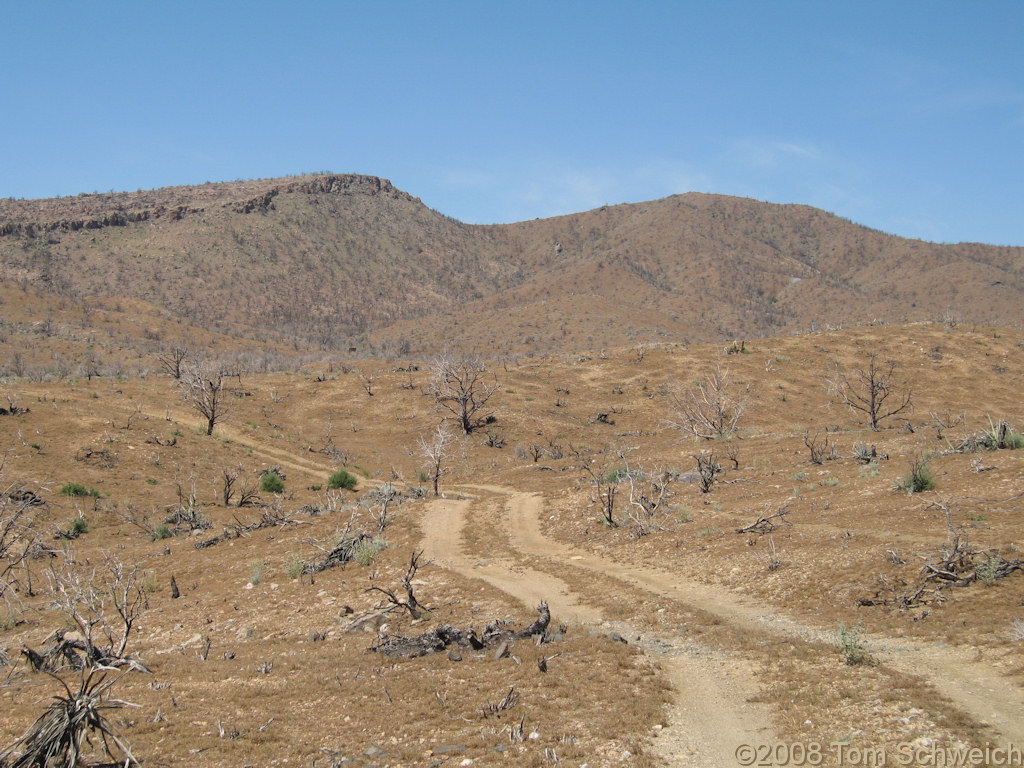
328	261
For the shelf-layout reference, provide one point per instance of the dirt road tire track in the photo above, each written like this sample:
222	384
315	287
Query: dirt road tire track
711	715
974	686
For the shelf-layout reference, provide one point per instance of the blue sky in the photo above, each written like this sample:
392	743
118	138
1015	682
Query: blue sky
905	116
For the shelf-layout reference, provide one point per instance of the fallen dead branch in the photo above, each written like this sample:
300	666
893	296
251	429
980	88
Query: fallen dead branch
956	564
445	635
270	517
344	551
766	522
411	604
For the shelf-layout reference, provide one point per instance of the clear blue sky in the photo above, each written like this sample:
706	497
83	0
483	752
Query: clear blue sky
905	116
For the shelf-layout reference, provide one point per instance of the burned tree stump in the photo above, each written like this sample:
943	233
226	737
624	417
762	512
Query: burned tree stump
343	552
445	635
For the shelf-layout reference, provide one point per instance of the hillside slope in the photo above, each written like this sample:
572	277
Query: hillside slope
328	261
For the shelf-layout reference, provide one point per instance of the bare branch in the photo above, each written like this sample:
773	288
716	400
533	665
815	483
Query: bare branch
708	469
205	388
872	391
104	604
411	604
434	449
606	484
18	541
462	385
172	360
711	409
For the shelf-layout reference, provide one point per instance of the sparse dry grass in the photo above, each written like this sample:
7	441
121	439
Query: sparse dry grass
332	694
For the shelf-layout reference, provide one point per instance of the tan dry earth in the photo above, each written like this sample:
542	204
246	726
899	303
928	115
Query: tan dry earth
712	714
750	651
704	729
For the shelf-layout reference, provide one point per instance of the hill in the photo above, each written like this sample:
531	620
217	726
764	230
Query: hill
330	262
579	493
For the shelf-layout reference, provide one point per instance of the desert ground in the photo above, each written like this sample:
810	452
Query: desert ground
779	585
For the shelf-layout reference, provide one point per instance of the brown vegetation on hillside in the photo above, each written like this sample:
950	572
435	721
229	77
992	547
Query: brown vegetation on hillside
331	262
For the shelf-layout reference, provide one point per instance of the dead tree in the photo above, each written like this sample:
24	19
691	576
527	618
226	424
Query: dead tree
18	539
710	409
821	449
233	483
647	492
411	604
380	499
186	515
463	385
105	606
766	522
872	391
228	488
366	381
944	421
606	486
172	361
708	470
434	449
205	388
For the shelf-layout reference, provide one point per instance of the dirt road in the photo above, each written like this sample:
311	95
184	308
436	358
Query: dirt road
704	727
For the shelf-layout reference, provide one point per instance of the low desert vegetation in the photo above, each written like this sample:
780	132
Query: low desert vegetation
342	479
851	644
77	489
287	553
271	482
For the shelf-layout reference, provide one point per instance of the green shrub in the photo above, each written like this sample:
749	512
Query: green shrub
256	569
293	566
870	470
918	479
1002	436
77	489
271	483
77	527
614	476
367	551
162	531
999	436
851	645
341	479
